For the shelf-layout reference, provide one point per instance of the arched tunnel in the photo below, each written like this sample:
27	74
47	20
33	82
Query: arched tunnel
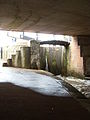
44	59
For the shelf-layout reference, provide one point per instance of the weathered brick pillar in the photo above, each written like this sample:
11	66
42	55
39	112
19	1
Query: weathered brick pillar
35	54
25	57
18	59
74	59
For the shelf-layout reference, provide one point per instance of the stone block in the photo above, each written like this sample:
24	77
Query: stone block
35	54
9	62
4	64
42	58
25	57
13	60
18	59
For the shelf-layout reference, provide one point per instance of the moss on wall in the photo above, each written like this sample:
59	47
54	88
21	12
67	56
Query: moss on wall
64	69
54	57
42	58
68	59
75	74
54	66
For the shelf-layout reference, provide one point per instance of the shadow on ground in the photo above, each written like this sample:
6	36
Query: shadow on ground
17	103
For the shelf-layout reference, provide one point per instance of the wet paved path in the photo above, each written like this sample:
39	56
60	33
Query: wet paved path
37	82
26	95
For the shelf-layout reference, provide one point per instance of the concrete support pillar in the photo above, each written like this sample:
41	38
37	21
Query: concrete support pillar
25	57
13	60
18	59
35	54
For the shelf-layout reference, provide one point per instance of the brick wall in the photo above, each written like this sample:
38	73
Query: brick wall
75	66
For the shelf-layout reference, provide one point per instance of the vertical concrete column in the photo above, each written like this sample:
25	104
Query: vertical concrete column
13	60
18	59
25	57
35	54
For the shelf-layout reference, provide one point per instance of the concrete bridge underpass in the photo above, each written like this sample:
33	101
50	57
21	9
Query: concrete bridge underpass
38	95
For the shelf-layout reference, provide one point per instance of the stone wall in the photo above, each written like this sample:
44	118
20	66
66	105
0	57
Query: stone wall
36	57
60	60
24	56
9	50
74	60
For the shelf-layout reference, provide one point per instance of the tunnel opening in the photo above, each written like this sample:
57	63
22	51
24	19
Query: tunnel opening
34	50
58	54
24	94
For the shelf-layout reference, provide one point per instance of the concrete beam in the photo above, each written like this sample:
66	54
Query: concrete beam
54	42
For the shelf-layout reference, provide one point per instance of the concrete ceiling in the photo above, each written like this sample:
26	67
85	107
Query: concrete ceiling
70	17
